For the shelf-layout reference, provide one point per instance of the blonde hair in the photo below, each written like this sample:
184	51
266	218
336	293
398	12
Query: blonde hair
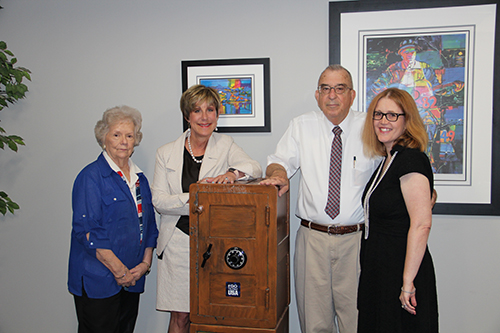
196	94
415	134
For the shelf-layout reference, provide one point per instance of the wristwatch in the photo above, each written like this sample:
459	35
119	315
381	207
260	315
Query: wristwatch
233	170
238	174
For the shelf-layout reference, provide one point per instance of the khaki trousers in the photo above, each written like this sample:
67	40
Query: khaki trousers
326	280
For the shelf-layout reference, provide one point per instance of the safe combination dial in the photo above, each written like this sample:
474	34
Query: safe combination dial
236	258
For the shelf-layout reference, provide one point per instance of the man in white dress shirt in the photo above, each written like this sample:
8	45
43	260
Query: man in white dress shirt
326	249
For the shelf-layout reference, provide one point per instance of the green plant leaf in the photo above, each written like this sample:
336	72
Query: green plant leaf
6	203
3	45
18	75
22	88
3	207
13	205
12	145
17	139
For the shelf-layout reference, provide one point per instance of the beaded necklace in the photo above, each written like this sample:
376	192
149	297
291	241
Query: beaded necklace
190	149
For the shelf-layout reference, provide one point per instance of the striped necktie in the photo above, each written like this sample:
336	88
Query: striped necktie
332	208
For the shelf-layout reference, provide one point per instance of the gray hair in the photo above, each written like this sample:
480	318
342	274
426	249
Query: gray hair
114	116
335	68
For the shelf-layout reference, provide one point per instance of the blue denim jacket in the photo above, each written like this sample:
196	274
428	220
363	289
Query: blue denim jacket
104	207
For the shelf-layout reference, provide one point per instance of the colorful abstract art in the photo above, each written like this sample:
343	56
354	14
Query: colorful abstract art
432	68
235	93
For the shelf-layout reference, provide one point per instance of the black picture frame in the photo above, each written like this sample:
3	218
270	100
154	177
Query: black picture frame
256	69
337	8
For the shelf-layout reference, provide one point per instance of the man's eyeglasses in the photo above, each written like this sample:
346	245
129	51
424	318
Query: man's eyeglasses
391	116
339	89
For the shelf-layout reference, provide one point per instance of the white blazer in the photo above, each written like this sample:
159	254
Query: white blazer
221	154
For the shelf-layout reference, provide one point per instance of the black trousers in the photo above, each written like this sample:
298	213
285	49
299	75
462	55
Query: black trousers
115	314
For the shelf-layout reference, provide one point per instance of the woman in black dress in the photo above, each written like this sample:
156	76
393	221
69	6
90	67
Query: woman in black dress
396	266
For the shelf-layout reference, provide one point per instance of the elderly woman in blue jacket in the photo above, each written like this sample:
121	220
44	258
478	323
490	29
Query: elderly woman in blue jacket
114	229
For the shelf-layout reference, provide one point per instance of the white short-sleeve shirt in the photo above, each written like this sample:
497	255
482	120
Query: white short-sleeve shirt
306	145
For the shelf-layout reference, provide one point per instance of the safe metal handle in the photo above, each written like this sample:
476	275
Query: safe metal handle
206	255
198	209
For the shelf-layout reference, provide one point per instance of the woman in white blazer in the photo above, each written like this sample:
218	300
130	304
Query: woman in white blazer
198	154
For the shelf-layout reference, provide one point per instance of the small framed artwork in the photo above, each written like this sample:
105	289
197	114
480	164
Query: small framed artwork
244	88
442	53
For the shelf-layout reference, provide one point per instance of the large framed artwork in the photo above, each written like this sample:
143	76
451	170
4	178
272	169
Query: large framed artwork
443	53
244	88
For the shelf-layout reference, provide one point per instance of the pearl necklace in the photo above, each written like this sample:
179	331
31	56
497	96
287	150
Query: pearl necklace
190	149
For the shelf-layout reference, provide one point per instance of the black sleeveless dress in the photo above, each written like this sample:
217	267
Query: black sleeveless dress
383	256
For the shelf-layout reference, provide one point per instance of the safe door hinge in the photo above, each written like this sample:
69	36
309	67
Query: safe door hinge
197	209
268	216
267	298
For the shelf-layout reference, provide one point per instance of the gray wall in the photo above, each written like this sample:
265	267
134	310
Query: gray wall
89	55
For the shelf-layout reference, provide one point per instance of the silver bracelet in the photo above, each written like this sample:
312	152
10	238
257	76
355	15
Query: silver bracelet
409	292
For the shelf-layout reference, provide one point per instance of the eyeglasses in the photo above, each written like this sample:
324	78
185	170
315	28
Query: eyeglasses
390	116
339	89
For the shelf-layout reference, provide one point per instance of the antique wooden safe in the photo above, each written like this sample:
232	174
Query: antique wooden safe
240	261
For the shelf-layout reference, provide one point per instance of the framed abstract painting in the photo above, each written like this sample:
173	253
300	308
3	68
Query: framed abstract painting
244	88
443	53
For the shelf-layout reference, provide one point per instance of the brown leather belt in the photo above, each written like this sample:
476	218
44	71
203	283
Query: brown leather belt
334	229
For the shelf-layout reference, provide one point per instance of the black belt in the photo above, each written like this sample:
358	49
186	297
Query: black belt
334	229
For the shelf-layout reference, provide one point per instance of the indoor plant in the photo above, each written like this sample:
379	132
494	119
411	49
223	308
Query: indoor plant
11	90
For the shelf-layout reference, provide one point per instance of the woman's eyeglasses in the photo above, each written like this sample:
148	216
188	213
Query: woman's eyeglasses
390	116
